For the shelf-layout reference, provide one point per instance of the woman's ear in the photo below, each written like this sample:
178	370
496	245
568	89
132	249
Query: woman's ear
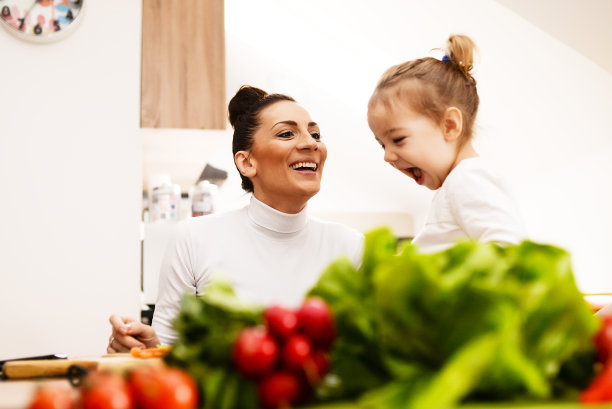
452	124
244	164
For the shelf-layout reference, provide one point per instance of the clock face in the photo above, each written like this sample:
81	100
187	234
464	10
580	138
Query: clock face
40	20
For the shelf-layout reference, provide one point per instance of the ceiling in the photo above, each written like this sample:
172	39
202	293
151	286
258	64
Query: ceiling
585	26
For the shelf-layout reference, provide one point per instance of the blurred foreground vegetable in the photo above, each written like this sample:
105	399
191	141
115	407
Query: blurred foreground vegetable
477	322
246	356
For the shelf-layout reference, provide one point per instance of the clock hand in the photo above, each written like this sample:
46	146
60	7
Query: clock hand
30	9
27	13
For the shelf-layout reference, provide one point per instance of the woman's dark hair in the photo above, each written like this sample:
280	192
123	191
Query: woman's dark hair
244	109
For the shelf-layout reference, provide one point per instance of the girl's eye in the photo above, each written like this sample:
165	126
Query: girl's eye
316	135
398	140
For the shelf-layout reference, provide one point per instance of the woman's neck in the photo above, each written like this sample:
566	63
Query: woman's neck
283	204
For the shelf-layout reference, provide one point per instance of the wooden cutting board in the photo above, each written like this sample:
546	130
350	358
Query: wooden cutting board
59	367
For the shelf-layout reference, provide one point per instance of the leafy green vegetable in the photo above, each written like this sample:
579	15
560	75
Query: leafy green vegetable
477	321
207	327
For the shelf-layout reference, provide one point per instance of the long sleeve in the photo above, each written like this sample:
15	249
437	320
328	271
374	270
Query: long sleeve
176	279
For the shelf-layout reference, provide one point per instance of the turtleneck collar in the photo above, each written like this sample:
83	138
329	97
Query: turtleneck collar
271	219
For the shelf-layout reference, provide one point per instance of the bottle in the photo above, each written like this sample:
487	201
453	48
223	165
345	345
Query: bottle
165	199
203	198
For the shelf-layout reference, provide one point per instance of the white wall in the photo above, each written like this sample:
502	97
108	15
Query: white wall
70	182
543	118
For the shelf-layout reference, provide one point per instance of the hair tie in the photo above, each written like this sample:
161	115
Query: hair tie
446	58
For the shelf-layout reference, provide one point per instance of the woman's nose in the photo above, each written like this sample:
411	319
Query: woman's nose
307	142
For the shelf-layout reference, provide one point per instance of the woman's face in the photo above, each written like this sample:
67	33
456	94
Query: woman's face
287	157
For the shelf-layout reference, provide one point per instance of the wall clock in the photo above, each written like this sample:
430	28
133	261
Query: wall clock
41	20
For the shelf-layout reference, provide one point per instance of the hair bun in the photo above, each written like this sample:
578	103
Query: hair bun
243	101
460	49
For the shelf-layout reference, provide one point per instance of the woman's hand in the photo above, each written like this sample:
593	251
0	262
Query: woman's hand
128	333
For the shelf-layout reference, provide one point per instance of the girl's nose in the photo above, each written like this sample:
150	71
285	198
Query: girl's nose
390	156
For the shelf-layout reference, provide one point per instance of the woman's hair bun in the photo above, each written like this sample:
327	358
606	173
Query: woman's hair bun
243	101
460	49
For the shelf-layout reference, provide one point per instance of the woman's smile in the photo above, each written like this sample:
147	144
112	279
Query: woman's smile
288	155
305	166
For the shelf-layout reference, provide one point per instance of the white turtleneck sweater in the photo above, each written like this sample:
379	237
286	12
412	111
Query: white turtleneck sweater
270	257
474	202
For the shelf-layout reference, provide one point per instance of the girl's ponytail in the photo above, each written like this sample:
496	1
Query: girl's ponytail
460	49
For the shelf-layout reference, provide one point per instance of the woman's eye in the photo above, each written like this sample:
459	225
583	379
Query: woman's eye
285	134
316	135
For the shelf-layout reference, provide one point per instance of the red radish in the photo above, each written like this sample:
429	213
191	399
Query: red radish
279	390
321	361
316	321
316	367
281	321
255	351
296	352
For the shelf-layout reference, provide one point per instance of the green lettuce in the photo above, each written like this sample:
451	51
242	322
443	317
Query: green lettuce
477	321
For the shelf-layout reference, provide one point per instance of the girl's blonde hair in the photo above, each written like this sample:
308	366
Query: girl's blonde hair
430	85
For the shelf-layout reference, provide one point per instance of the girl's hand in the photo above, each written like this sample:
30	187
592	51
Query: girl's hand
128	333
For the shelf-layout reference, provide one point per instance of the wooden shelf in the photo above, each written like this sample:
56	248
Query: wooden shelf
183	64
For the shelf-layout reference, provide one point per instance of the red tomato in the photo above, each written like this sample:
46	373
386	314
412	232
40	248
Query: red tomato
296	352
163	388
144	385
255	351
52	397
281	321
317	322
603	339
279	390
600	389
105	390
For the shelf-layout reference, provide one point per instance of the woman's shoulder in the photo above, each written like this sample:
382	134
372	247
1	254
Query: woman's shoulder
335	229
211	222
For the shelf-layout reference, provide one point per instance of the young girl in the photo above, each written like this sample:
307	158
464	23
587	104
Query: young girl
422	113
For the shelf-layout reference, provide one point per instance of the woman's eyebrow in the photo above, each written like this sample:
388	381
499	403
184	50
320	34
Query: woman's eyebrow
292	123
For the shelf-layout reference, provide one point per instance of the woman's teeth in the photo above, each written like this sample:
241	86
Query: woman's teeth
309	165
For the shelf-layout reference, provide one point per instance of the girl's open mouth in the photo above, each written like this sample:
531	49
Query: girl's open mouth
416	174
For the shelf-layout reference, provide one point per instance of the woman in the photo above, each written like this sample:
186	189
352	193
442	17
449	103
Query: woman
271	250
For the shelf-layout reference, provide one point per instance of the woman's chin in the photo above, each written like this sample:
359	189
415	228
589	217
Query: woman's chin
309	190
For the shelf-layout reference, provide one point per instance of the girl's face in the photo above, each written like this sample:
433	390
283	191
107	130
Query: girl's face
287	157
413	143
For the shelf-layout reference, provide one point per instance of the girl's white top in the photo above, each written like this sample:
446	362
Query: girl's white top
270	257
473	202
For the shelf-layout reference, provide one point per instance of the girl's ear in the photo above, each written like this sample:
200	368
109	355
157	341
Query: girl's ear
243	162
452	124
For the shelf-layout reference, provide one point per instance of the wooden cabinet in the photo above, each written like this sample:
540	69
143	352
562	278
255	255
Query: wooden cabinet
183	64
